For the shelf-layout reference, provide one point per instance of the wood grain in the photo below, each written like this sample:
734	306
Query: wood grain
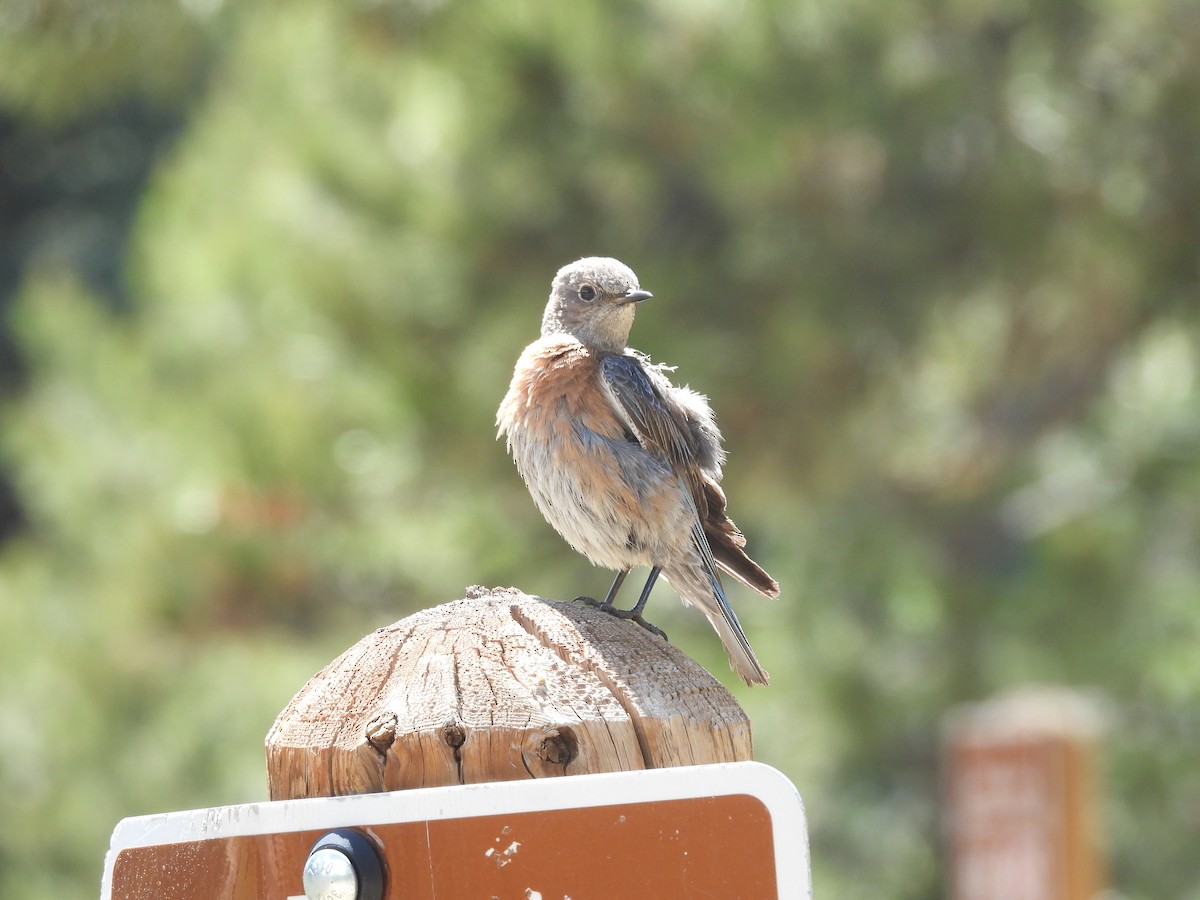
499	686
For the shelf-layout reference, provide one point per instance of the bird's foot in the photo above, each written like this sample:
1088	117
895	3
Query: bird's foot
630	615
634	616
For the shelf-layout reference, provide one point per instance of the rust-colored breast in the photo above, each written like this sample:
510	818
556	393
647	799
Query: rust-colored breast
555	385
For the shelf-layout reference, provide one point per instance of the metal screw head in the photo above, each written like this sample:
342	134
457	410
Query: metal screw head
329	875
344	865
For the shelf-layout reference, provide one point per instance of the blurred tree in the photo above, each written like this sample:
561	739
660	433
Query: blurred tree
87	99
268	267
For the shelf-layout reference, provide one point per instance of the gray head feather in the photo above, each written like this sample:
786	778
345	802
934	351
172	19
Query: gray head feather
593	300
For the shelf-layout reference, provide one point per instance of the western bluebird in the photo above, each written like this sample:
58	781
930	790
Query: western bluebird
621	462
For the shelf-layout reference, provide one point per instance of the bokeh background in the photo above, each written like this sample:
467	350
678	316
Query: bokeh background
265	268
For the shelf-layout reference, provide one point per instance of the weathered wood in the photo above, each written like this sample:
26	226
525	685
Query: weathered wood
495	687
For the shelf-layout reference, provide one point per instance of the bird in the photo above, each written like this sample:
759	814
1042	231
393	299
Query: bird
624	464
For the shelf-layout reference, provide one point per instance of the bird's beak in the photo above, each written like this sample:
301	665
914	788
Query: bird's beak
632	296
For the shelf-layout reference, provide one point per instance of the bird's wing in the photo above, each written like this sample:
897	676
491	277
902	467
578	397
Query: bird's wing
662	426
655	419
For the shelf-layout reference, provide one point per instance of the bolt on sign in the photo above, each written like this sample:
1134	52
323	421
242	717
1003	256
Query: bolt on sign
733	830
1020	798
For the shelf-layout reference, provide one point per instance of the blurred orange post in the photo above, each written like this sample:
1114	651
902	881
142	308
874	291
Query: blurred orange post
1021	798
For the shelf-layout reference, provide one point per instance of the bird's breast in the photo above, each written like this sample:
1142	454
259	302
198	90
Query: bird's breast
603	492
555	391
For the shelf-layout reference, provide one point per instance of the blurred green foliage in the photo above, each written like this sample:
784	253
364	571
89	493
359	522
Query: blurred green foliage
265	268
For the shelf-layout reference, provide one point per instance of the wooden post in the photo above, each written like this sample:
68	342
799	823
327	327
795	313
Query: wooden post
1021	806
499	686
496	691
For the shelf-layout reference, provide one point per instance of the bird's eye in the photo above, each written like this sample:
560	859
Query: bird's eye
587	293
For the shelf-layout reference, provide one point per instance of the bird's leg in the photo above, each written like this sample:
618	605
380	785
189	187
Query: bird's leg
607	603
634	614
616	587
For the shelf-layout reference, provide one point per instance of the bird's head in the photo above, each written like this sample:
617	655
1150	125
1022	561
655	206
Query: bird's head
594	300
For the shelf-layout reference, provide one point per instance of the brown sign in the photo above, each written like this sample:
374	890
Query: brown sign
730	831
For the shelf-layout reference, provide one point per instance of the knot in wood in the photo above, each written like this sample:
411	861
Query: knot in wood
381	732
559	747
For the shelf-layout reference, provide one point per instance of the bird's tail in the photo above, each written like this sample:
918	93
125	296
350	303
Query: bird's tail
728	544
700	586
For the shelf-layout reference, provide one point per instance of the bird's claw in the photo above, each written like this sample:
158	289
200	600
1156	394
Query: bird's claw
637	617
630	615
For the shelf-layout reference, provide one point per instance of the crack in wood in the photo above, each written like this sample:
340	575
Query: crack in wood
589	664
453	733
